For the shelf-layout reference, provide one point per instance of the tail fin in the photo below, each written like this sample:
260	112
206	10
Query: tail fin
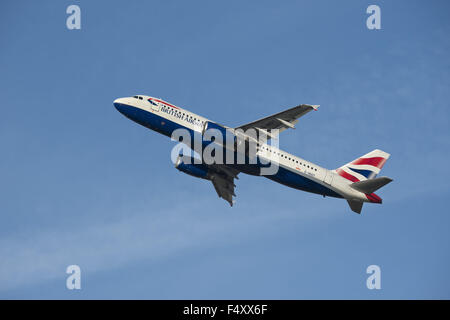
362	172
366	167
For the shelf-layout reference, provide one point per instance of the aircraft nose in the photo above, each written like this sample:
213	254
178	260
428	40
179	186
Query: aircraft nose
120	104
117	103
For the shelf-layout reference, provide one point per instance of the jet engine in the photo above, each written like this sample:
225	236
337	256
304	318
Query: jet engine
186	164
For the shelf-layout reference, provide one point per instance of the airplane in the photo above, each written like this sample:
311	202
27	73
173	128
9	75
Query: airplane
355	181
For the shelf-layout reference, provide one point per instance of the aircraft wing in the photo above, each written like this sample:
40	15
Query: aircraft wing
222	178
281	121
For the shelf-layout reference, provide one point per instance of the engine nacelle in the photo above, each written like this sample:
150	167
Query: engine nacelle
186	164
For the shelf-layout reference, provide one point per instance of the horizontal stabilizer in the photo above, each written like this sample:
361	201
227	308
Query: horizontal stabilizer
371	185
355	205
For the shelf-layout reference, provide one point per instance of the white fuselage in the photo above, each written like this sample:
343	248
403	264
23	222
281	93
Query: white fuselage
163	117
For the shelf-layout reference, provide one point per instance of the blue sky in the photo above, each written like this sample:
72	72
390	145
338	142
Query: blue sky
81	184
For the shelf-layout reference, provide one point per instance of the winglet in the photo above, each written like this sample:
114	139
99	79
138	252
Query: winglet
315	106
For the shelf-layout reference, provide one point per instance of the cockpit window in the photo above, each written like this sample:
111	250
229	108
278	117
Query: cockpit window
140	98
135	97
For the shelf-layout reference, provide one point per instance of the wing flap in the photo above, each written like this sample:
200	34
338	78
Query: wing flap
222	178
224	188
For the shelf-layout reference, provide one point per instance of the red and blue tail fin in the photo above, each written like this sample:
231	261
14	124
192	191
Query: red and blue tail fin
366	167
362	173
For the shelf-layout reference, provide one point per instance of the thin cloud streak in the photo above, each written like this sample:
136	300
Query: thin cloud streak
44	256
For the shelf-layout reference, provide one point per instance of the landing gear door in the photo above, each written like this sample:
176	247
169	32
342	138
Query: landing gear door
328	177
